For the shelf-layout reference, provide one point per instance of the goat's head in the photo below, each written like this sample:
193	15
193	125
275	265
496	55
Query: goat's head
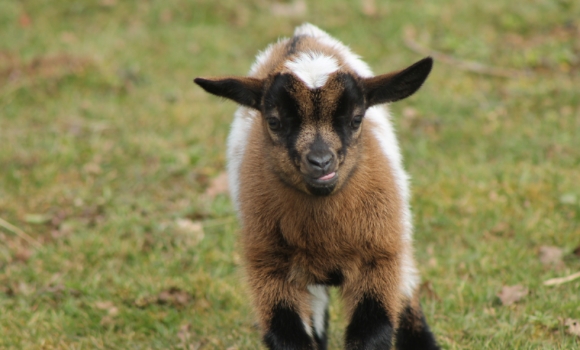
312	111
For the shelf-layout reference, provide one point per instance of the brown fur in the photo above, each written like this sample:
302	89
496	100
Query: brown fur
291	239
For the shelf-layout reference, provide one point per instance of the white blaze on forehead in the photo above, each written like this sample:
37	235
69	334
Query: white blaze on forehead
312	68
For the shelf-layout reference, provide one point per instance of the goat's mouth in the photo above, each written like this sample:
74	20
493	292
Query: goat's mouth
327	177
322	185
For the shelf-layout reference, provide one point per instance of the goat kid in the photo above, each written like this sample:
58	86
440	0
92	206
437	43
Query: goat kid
315	173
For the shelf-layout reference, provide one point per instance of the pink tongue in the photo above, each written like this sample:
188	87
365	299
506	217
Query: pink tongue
327	176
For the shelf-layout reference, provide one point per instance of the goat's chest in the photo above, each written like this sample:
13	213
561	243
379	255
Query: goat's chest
322	239
321	235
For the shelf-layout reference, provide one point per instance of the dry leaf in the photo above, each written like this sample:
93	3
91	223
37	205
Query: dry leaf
107	321
24	20
104	305
59	217
501	227
551	255
109	3
8	290
174	296
369	7
185	338
143	302
55	290
219	185
24	288
489	311
112	311
426	288
184	333
410	113
22	254
512	294
92	169
44	67
573	326
193	230
296	8
166	16
189	226
68	38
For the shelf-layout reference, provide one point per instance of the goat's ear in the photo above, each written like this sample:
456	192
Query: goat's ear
396	86
243	90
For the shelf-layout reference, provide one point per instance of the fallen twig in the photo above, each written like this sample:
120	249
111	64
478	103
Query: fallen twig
8	226
560	280
476	67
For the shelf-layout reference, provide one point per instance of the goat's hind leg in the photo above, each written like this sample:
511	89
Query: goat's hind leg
287	331
413	332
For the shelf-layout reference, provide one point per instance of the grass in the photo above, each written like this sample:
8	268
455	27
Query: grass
105	145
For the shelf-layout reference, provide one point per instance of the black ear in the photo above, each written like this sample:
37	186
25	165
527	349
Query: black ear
396	86
244	90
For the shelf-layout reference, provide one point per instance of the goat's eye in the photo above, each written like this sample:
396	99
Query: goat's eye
273	123
356	121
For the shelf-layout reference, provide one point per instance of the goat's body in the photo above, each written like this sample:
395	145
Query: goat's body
359	238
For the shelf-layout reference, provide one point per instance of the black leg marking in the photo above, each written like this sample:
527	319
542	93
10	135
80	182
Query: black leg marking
322	341
370	327
335	278
413	332
286	331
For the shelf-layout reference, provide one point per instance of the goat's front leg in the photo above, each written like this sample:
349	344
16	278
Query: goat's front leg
373	300
283	310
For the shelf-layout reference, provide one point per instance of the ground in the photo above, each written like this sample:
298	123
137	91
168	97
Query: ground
116	233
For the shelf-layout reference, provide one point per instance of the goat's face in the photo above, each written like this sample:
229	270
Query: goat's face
314	133
313	126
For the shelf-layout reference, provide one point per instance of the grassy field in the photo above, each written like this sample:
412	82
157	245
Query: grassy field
115	233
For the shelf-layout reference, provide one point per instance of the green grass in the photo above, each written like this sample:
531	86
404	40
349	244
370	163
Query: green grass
105	143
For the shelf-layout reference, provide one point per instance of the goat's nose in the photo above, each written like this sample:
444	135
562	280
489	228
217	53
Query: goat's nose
321	160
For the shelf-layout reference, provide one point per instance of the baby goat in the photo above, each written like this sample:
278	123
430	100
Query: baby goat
315	173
